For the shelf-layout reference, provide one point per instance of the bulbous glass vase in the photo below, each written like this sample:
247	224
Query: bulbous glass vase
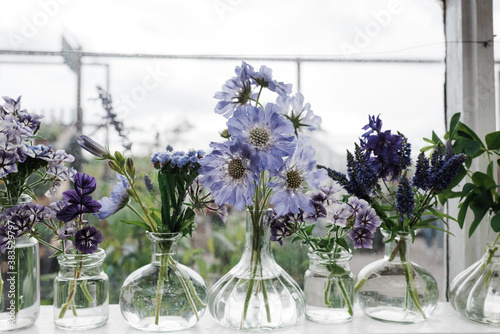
164	295
20	278
394	289
329	287
475	292
257	294
81	291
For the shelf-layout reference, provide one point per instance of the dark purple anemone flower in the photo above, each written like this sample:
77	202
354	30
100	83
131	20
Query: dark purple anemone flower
87	239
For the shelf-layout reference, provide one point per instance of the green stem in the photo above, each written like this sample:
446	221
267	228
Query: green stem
72	289
86	292
409	277
189	284
186	289
47	244
346	297
159	285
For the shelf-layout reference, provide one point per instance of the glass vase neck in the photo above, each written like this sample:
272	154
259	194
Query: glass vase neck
163	244
398	249
72	259
258	232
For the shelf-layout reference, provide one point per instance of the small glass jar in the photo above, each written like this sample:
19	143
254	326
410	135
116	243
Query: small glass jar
81	291
19	278
329	287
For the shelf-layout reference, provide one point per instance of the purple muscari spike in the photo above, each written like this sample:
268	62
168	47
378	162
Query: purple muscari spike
405	199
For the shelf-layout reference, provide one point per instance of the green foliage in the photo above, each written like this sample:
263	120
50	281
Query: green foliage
479	194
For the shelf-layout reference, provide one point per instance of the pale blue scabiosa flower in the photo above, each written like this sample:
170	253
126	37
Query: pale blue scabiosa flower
264	78
300	114
117	200
236	92
295	173
267	133
228	173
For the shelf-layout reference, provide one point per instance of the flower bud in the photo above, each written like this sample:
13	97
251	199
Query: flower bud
130	168
115	167
131	194
225	134
120	160
93	147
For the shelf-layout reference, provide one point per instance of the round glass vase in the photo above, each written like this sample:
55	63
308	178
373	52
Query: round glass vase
164	295
20	278
257	294
394	289
81	290
475	292
329	287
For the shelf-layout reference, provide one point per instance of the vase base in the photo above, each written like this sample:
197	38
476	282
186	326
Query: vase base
165	324
327	316
395	315
6	325
81	323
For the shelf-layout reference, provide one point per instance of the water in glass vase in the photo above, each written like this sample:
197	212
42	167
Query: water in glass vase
21	284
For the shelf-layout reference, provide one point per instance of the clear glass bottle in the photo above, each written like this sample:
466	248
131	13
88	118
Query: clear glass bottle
329	287
20	278
81	290
394	289
475	292
257	294
164	295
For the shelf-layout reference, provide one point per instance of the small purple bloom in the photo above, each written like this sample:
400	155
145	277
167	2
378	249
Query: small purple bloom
339	213
92	146
356	204
67	231
87	240
84	183
361	237
279	230
7	163
367	218
405	199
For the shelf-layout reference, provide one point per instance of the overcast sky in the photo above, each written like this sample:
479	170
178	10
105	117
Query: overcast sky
163	95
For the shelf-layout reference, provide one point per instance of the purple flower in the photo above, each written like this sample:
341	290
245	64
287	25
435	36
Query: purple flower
405	201
361	237
87	240
298	171
367	218
319	210
92	146
423	174
79	202
236	92
117	200
67	231
279	230
38	151
228	172
339	213
356	205
7	163
267	133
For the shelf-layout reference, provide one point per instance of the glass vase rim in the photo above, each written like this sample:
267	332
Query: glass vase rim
75	258
386	234
163	236
330	256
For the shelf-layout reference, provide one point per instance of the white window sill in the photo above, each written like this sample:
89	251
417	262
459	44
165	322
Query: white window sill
444	320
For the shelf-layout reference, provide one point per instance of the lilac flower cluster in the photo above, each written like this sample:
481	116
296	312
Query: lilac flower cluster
354	218
17	130
20	220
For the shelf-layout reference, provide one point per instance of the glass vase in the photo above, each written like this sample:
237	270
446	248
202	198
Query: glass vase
81	290
164	295
20	278
475	292
257	294
394	289
329	287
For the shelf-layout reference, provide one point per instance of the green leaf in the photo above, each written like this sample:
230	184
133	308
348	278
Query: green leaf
436	139
483	181
463	209
495	223
468	146
342	243
455	119
493	140
137	223
467	188
309	229
480	206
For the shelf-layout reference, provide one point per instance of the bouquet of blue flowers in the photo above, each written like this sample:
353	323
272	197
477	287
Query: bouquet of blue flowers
264	162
